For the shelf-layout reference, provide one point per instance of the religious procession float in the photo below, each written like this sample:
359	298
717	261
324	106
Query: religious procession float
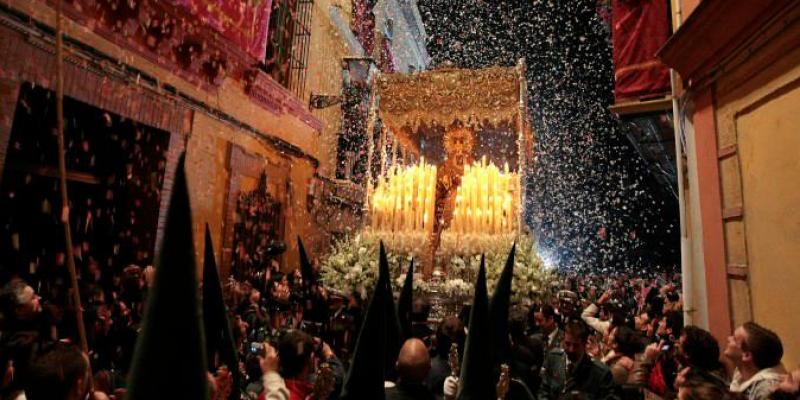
453	193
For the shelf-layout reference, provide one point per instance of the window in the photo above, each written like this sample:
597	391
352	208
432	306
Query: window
115	167
289	38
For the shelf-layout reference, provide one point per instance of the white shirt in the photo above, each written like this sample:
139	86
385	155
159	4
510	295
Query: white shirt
760	385
589	315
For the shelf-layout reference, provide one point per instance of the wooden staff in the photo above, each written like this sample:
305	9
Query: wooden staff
62	169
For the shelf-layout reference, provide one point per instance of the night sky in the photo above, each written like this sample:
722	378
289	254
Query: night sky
591	201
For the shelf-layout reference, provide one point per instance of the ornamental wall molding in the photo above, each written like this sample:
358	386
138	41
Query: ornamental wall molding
275	98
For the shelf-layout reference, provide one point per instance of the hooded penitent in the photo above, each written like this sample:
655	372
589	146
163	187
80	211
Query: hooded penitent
477	381
378	342
170	357
498	310
219	337
405	302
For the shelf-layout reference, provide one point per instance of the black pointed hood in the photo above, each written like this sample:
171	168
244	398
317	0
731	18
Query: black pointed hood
405	302
477	380
219	337
305	267
375	352
394	333
498	309
170	359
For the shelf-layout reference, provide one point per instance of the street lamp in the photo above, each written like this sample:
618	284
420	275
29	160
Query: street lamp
359	70
356	82
355	75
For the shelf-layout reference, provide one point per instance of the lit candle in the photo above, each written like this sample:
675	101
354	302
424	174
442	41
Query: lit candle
376	207
474	186
432	195
490	200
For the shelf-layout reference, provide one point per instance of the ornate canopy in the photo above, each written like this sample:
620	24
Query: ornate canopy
483	113
444	96
475	98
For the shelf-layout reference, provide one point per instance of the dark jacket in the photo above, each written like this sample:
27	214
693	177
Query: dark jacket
589	377
555	343
440	370
409	392
527	357
518	390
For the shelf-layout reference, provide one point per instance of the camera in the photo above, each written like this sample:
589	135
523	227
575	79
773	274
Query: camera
258	349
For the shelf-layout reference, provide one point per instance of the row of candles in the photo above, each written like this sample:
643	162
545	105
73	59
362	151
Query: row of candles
486	200
404	199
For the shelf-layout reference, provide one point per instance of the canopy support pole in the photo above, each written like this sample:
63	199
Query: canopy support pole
372	116
522	141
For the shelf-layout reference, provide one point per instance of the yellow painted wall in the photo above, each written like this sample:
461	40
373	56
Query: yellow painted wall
207	177
769	145
324	76
210	138
229	97
687	7
758	115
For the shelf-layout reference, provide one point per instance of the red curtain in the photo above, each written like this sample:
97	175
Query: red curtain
640	28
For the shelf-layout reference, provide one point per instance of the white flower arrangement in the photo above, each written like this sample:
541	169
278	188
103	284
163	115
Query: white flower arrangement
457	288
352	265
530	279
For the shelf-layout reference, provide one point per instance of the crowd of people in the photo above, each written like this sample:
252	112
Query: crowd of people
139	333
33	324
601	337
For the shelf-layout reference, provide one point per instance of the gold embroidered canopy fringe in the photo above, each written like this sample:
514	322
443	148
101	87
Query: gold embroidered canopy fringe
474	98
445	96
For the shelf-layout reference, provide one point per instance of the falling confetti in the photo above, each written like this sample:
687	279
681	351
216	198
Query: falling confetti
590	198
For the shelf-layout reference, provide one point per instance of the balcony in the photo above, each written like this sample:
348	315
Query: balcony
343	192
168	34
340	207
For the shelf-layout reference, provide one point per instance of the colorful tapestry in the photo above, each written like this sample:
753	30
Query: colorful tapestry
243	22
640	28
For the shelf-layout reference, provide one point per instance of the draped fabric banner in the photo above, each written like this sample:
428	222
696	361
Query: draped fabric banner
640	28
243	22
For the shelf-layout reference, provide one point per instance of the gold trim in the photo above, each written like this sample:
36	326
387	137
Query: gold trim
446	96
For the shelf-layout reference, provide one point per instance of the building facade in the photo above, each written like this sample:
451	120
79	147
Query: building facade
230	86
737	107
